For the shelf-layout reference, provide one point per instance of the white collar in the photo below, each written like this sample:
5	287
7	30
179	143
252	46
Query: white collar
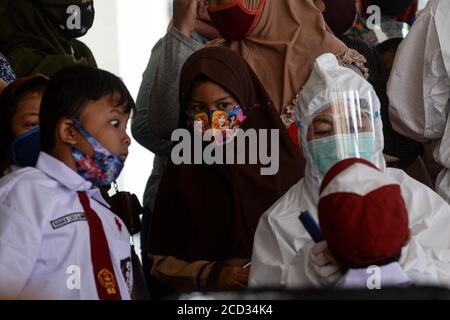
68	178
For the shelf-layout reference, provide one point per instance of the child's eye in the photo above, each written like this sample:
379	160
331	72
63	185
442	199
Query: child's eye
32	125
115	123
223	106
198	108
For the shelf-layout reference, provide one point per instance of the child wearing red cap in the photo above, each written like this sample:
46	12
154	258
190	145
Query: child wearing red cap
364	220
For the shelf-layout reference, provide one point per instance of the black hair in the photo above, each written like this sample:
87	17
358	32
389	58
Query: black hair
68	92
9	107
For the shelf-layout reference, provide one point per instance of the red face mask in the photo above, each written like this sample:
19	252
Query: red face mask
235	20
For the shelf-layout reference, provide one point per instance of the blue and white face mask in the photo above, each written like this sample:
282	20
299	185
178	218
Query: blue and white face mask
103	167
25	149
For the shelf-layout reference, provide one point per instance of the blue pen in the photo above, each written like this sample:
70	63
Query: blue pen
311	226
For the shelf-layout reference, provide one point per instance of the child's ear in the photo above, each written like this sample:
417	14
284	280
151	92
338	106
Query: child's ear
67	132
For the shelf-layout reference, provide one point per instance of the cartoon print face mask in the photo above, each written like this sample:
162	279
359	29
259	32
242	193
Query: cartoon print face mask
224	124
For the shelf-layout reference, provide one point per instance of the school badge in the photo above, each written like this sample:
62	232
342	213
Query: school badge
107	280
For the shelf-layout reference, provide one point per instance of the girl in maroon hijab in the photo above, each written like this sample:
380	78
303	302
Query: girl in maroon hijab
206	215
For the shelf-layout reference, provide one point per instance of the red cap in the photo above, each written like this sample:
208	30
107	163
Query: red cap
362	214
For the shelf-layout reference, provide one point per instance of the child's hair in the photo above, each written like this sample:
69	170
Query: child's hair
70	90
9	102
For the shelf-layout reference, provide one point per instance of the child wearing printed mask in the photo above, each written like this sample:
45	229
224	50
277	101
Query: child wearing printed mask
208	108
58	204
19	123
205	214
212	107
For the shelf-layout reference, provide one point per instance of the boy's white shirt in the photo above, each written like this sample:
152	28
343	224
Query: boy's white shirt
375	277
41	260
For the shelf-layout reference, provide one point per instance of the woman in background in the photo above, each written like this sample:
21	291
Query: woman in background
280	40
39	36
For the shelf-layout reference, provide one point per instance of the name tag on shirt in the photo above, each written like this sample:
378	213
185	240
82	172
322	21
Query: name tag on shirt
68	219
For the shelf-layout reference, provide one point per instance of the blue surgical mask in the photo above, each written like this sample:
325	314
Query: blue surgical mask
103	167
25	149
326	152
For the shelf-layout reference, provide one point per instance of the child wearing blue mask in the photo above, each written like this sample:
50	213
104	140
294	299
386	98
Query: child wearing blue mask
19	123
71	245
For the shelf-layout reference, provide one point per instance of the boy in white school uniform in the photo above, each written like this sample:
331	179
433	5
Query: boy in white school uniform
58	237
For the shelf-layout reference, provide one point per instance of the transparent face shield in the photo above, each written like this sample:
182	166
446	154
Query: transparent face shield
343	128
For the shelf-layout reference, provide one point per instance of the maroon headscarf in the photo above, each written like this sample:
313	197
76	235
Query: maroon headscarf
210	212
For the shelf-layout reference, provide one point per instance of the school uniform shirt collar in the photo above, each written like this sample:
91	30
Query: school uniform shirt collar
68	178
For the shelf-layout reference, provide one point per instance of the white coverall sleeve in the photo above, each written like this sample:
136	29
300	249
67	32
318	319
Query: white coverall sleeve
20	239
278	238
426	259
270	256
419	85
